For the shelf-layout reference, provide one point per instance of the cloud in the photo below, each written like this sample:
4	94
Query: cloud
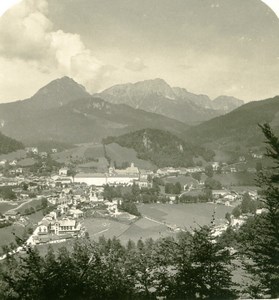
27	34
136	65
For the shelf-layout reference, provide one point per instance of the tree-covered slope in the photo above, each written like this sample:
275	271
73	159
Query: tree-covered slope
8	145
240	125
162	148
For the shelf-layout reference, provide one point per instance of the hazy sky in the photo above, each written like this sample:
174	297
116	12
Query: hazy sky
212	47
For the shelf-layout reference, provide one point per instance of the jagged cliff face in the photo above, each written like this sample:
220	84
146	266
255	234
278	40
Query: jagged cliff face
158	96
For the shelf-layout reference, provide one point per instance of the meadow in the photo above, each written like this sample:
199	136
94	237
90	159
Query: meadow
155	219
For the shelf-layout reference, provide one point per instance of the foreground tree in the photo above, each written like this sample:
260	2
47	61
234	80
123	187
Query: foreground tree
261	240
204	268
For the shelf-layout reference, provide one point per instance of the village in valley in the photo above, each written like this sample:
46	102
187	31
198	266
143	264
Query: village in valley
66	199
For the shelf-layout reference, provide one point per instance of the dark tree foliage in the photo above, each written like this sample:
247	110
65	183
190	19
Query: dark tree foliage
204	268
212	184
209	171
129	207
161	147
173	188
193	266
7	193
261	239
8	144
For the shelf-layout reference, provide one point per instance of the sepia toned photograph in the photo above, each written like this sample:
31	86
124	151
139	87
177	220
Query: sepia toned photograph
139	149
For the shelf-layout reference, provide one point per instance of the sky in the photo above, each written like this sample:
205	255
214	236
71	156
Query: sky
213	47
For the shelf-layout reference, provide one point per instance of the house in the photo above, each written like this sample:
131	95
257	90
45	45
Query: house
215	165
96	195
54	150
195	170
34	150
44	227
76	213
53	215
65	226
144	174
19	171
13	162
132	170
3	162
189	183
143	183
43	155
12	215
219	193
257	156
63	172
63	209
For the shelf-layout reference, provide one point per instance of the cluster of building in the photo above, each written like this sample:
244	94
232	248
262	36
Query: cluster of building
114	177
231	197
170	171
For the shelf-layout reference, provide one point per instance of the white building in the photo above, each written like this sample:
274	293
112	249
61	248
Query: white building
100	179
63	172
65	226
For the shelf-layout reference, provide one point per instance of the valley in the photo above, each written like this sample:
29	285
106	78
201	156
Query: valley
112	171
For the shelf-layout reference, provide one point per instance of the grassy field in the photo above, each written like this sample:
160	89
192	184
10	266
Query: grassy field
89	151
19	154
236	179
97	227
77	153
183	215
4	206
6	233
33	203
120	155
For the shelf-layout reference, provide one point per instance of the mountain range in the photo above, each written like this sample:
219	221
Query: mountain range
64	111
159	97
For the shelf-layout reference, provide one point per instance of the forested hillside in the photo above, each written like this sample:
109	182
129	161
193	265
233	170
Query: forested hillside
8	145
161	147
238	126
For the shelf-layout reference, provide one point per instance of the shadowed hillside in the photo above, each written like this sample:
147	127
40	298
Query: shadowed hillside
161	147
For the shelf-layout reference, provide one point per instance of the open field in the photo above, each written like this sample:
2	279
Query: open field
236	179
121	154
28	204
79	152
97	227
92	151
19	154
4	206
153	224
183	215
6	233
